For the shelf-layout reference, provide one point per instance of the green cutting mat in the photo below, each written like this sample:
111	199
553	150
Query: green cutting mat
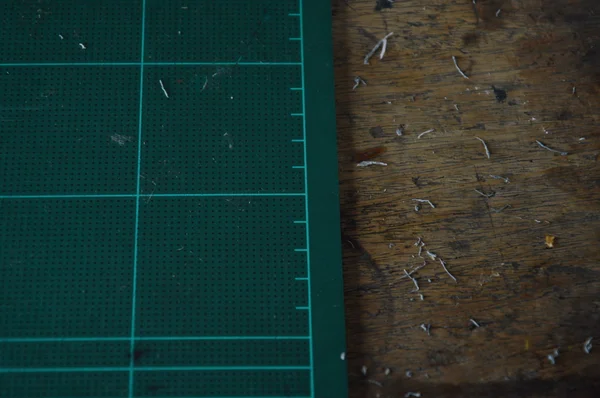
168	200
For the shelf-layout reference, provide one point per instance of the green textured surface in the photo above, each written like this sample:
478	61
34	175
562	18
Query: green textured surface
168	245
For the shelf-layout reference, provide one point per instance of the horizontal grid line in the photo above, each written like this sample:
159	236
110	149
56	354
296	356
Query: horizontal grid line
164	195
250	396
158	338
137	64
150	369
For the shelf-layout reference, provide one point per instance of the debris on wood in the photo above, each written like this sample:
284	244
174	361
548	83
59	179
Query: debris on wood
549	240
487	195
426	328
400	130
446	269
375	382
363	370
367	163
412	394
425	201
381	43
562	153
505	179
357	82
431	255
587	345
408	374
458	68
498	12
413	280
425	132
552	357
474	322
414	270
500	209
387	371
487	150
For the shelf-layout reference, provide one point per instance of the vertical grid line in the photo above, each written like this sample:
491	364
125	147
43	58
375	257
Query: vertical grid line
307	218
137	206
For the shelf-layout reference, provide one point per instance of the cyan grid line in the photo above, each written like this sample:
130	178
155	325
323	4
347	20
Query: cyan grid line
249	396
142	195
150	369
47	64
157	338
308	282
137	207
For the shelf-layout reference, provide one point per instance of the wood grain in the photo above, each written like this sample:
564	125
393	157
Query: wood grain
528	299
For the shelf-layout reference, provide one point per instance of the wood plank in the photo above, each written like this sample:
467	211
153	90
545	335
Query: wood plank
527	298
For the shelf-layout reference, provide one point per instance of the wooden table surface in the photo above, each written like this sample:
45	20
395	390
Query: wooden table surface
533	74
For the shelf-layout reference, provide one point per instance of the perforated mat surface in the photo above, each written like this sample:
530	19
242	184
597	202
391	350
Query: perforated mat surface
168	200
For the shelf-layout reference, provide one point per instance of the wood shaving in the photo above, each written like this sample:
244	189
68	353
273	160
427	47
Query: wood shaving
368	163
357	82
425	201
425	132
381	43
487	150
550	149
458	68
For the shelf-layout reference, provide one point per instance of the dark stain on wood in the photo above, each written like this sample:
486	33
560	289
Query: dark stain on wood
500	94
377	132
369	154
381	4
